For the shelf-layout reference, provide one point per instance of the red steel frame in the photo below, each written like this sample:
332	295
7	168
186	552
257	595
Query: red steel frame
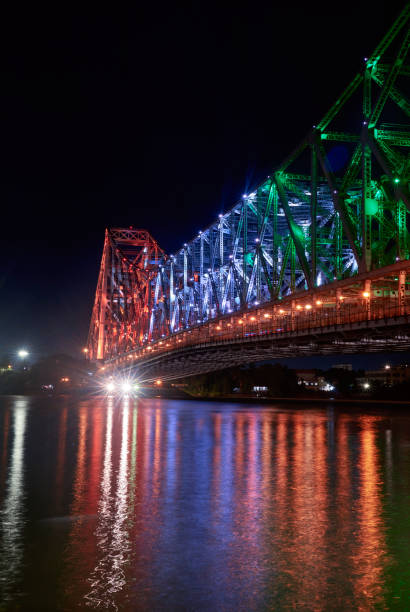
125	292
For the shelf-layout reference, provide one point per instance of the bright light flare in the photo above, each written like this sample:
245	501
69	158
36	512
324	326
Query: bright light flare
120	387
22	353
126	386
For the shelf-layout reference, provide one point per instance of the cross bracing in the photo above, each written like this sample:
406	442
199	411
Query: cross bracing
336	207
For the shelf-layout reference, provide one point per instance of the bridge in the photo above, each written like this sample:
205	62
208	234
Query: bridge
315	260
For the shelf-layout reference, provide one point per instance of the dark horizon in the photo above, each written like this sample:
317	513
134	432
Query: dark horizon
158	119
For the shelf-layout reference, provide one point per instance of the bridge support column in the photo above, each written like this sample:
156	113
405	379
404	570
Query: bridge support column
293	315
402	292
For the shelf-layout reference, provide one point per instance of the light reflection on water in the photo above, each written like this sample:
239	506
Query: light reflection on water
165	505
12	517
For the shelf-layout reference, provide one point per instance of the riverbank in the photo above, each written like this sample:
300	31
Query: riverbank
248	399
171	394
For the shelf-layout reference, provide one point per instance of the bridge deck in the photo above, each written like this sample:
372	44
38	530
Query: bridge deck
352	315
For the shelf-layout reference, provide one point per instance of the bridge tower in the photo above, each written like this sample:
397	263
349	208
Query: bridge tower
121	316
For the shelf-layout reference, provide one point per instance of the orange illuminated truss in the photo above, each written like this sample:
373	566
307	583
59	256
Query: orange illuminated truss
121	317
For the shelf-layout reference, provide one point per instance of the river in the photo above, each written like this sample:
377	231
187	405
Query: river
153	504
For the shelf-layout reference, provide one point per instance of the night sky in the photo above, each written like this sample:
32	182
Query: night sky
158	117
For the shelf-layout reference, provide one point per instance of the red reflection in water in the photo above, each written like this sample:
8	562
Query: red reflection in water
216	464
157	463
260	503
95	459
246	542
308	567
62	433
344	513
370	556
81	547
266	454
278	548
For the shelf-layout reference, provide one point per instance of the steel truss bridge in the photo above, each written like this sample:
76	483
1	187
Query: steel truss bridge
315	260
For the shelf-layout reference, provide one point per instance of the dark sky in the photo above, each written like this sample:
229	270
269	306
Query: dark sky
158	117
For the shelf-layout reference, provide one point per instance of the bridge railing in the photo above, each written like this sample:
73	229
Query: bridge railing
276	320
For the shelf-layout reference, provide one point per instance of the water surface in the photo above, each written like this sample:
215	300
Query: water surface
174	505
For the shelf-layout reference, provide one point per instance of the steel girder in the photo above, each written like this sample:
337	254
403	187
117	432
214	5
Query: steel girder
338	205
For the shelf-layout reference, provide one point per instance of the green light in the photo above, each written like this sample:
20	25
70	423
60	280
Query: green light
397	180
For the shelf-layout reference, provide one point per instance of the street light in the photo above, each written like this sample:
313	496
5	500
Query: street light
22	353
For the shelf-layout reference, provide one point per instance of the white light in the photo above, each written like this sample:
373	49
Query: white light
110	386
22	353
125	387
